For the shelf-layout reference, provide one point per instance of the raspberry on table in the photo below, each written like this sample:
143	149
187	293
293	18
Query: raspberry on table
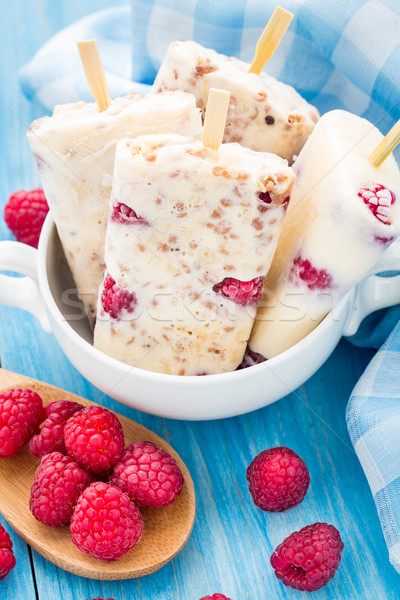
25	213
58	483
7	558
315	279
149	475
21	412
106	524
379	200
309	558
51	435
94	438
215	597
245	293
278	479
115	300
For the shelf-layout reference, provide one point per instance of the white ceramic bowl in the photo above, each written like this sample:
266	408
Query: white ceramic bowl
42	292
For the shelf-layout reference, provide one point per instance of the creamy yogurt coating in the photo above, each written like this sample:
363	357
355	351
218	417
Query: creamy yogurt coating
74	151
264	114
190	237
342	215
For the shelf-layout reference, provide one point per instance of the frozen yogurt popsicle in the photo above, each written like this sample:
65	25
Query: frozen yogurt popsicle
342	215
191	233
74	151
264	114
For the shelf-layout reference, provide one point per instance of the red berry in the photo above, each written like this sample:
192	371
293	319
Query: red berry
21	412
149	475
215	597
122	213
265	197
278	479
241	292
57	485
98	598
115	300
51	435
309	558
316	279
379	199
250	359
106	524
94	438
7	558
25	213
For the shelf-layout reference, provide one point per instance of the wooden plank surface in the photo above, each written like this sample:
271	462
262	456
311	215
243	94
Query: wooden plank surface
232	540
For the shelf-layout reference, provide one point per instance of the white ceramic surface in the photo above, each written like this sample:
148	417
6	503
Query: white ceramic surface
47	291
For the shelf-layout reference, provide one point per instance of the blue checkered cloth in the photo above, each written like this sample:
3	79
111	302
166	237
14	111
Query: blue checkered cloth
337	55
373	420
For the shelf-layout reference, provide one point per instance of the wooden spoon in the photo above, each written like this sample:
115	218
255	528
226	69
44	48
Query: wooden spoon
165	532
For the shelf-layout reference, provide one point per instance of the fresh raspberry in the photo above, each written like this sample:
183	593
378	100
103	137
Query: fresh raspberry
51	436
250	359
25	213
122	213
379	199
215	597
149	475
21	412
115	300
7	558
316	279
278	479
57	485
309	558
94	438
106	524
241	292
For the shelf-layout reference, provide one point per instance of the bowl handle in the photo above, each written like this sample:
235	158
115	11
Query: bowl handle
374	293
22	292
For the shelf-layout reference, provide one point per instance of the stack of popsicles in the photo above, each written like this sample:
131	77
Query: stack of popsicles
172	240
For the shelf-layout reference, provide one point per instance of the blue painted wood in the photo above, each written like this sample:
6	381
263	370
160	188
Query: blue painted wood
232	540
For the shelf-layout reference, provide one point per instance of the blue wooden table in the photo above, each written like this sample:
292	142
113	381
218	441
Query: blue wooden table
232	541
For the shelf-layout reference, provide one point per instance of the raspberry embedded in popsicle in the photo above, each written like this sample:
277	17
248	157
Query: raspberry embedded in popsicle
121	213
316	279
379	199
115	300
241	292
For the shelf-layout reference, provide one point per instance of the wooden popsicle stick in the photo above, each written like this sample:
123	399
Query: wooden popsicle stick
270	38
214	123
94	72
386	146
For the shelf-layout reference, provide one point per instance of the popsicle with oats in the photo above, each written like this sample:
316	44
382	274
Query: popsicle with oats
191	234
343	213
74	151
264	114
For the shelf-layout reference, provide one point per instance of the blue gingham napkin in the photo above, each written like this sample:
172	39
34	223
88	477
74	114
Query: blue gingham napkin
337	55
373	420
